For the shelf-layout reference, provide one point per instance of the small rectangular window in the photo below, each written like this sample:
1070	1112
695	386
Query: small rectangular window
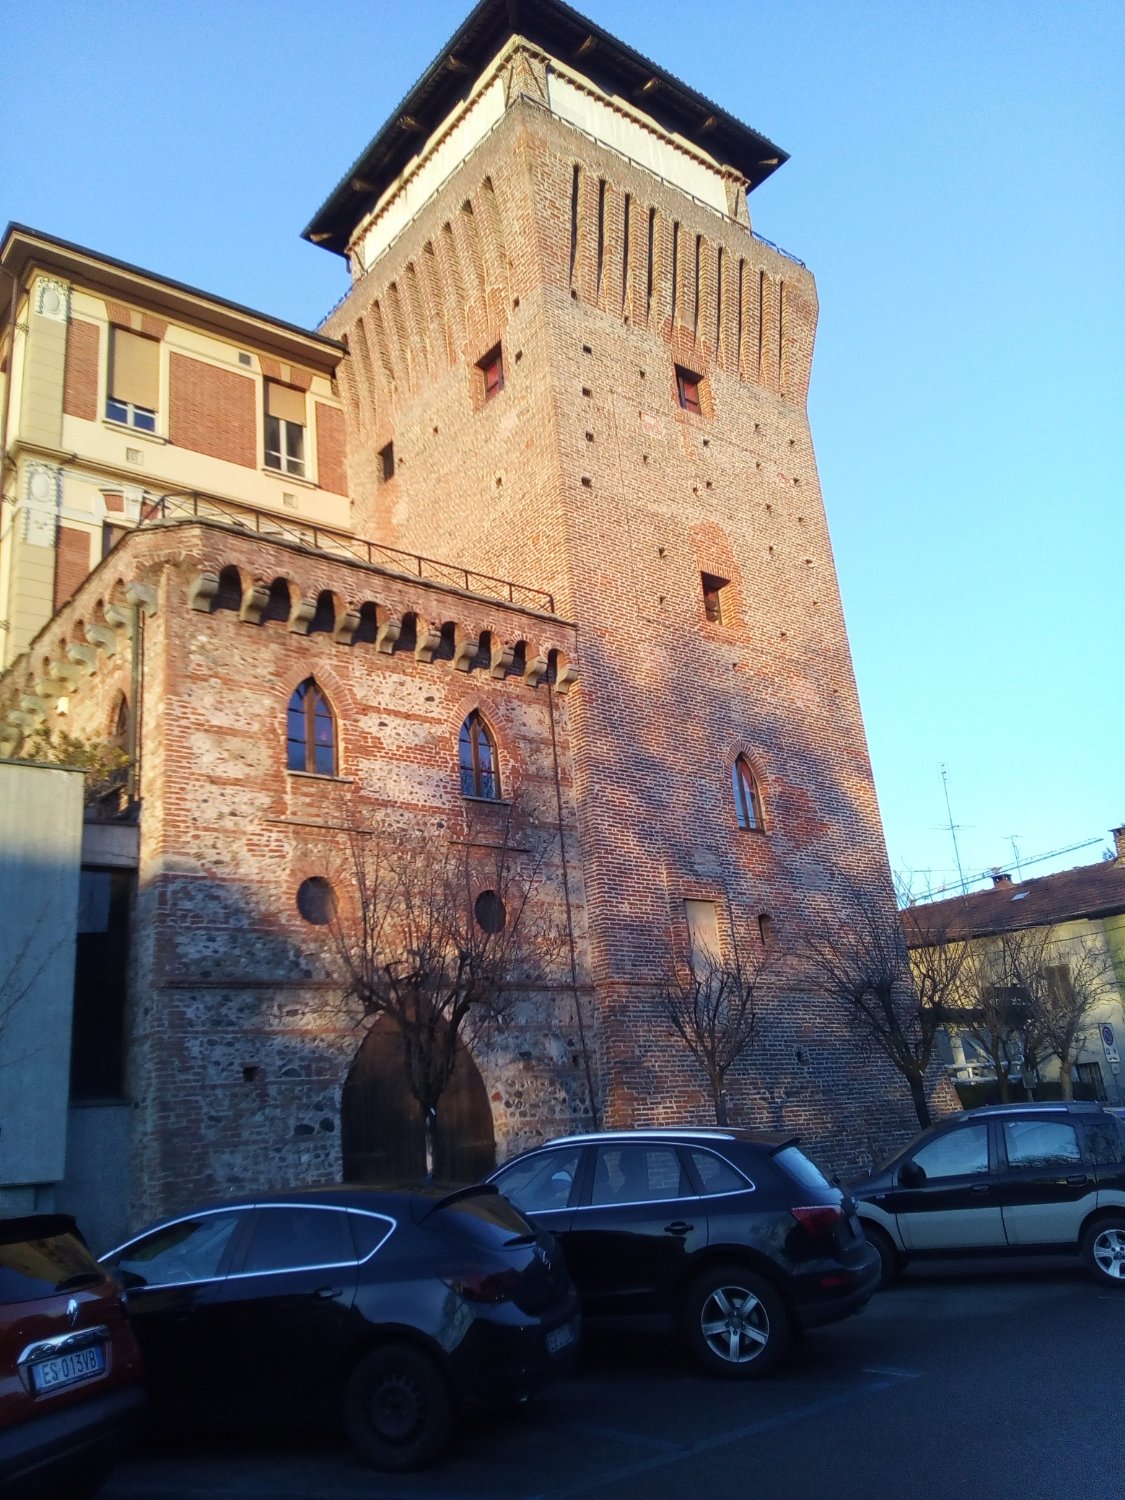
713	587
386	463
492	370
285	429
687	390
132	390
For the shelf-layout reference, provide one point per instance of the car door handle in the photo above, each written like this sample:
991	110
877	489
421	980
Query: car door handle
1077	1181
980	1187
329	1292
679	1227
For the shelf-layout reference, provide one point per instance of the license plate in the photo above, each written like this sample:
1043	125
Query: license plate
560	1338
68	1369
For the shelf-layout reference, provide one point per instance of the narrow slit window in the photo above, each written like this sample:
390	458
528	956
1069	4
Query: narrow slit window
386	463
747	797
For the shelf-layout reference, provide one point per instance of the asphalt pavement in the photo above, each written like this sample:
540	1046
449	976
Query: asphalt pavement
969	1381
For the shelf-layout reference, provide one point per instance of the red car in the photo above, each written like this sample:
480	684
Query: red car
70	1369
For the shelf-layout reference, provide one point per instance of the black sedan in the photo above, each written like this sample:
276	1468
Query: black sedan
392	1312
732	1236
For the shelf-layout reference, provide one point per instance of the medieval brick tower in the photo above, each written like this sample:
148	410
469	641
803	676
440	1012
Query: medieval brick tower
572	362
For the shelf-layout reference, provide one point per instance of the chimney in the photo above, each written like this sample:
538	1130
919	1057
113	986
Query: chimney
1119	844
1000	877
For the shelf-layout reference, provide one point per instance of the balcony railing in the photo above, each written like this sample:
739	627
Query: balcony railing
192	505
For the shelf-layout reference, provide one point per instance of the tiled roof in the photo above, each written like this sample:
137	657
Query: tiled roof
1086	891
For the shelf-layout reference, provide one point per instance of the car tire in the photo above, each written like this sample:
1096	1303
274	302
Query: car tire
397	1409
737	1325
890	1261
1103	1251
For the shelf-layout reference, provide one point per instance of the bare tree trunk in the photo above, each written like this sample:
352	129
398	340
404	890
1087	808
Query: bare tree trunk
921	1103
1002	1084
1066	1077
720	1099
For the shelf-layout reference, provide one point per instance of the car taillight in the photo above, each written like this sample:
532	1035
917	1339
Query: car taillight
485	1286
819	1219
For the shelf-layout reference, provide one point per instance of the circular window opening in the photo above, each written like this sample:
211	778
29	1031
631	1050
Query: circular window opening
490	912
316	900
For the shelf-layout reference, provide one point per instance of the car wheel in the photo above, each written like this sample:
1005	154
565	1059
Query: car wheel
1103	1250
397	1409
890	1262
737	1324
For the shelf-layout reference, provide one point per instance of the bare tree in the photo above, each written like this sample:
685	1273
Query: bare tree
708	1001
438	936
1001	995
1037	993
859	963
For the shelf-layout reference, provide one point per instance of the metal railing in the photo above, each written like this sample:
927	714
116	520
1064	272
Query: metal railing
194	505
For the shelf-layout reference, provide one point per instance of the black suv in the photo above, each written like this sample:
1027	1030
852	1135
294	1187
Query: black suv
733	1236
1004	1179
389	1312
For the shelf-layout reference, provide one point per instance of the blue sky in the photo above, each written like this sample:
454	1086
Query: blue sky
956	186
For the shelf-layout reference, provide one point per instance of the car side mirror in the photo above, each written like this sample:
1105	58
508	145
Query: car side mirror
910	1174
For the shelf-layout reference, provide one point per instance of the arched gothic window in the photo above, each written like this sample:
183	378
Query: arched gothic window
747	796
312	731
480	770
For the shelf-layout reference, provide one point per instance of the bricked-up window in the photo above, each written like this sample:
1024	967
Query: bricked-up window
312	731
747	796
687	390
491	368
386	463
480	770
285	429
133	388
713	587
703	932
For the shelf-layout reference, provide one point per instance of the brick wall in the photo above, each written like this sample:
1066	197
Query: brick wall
72	562
584	476
80	398
226	975
212	411
331	454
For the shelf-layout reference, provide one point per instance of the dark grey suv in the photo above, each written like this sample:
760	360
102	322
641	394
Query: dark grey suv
734	1237
1004	1179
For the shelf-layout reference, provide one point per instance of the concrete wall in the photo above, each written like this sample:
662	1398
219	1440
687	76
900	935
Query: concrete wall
40	844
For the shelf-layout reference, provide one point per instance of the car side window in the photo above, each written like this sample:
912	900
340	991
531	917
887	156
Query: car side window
1041	1143
1105	1141
190	1250
638	1174
716	1175
540	1183
957	1153
288	1238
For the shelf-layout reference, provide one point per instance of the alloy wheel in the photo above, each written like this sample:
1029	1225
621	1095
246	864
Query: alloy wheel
1108	1251
735	1324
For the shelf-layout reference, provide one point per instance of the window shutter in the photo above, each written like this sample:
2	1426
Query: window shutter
285	402
135	376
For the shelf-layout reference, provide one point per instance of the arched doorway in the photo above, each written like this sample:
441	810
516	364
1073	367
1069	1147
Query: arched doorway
381	1124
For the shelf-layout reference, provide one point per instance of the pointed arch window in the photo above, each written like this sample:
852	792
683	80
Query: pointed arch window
747	795
480	767
312	731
